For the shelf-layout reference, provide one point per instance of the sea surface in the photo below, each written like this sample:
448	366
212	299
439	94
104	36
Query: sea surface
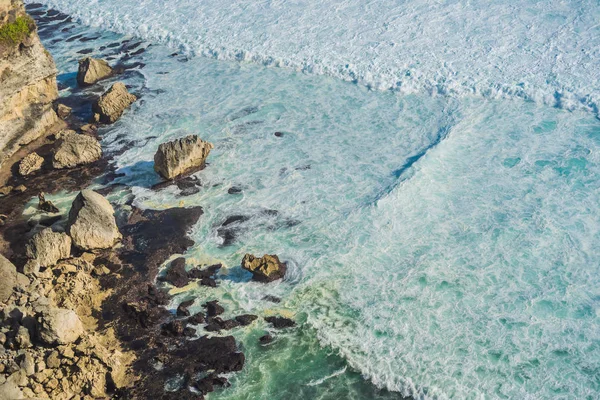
434	184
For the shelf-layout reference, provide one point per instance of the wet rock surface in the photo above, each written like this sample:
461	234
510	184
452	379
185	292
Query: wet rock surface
112	104
264	269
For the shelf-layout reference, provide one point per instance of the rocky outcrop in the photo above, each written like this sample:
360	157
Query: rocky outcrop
48	247
63	111
112	104
27	81
8	272
181	156
92	70
92	223
59	326
74	149
265	269
30	164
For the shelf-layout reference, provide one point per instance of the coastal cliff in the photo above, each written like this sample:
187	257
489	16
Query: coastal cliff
27	80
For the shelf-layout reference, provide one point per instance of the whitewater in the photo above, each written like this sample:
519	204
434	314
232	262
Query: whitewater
442	237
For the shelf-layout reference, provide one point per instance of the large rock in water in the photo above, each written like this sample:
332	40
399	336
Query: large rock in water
8	272
112	104
181	156
59	326
92	222
47	247
74	149
92	70
265	269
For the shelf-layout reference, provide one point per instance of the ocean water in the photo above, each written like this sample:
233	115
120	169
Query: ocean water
442	237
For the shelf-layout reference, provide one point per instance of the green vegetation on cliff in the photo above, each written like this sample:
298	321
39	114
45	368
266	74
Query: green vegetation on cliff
15	32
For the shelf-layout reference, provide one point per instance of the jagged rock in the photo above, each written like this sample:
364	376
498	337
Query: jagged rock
92	70
8	272
196	319
91	222
47	247
182	309
28	364
6	190
74	149
53	360
217	324
176	274
22	338
181	156
213	308
30	164
265	269
246	319
59	326
112	104
89	129
20	189
63	111
46	205
280	322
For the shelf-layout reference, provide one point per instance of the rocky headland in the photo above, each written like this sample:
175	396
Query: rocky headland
83	301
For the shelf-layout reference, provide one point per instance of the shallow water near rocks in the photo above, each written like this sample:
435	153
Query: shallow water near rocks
438	246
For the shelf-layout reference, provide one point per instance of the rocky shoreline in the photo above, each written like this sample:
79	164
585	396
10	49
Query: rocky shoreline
83	314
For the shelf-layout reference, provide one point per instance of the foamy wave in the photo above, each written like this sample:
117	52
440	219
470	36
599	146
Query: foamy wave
542	51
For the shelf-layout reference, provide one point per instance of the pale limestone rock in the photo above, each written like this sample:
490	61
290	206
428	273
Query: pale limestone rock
30	164
8	272
59	326
264	269
74	149
181	156
92	70
112	104
92	222
63	111
27	89
22	338
47	247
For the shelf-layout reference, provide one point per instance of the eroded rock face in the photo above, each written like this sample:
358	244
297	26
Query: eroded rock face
265	269
47	247
112	104
181	156
92	223
59	326
27	85
30	164
92	70
74	149
8	272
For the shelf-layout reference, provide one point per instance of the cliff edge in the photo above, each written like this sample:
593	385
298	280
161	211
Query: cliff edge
27	80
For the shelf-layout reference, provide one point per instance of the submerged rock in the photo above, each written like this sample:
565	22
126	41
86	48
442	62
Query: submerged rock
265	339
246	319
30	164
181	156
8	272
265	269
59	326
92	223
74	149
112	104
47	247
92	70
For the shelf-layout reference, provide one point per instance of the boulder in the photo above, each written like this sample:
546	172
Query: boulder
280	322
30	164
91	222
265	269
74	149
63	111
213	308
176	274
8	272
59	326
91	70
112	104
46	205
47	247
181	156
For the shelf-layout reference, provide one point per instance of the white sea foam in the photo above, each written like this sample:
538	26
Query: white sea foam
447	248
540	50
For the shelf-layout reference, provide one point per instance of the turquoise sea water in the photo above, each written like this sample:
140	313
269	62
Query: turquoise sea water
439	246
